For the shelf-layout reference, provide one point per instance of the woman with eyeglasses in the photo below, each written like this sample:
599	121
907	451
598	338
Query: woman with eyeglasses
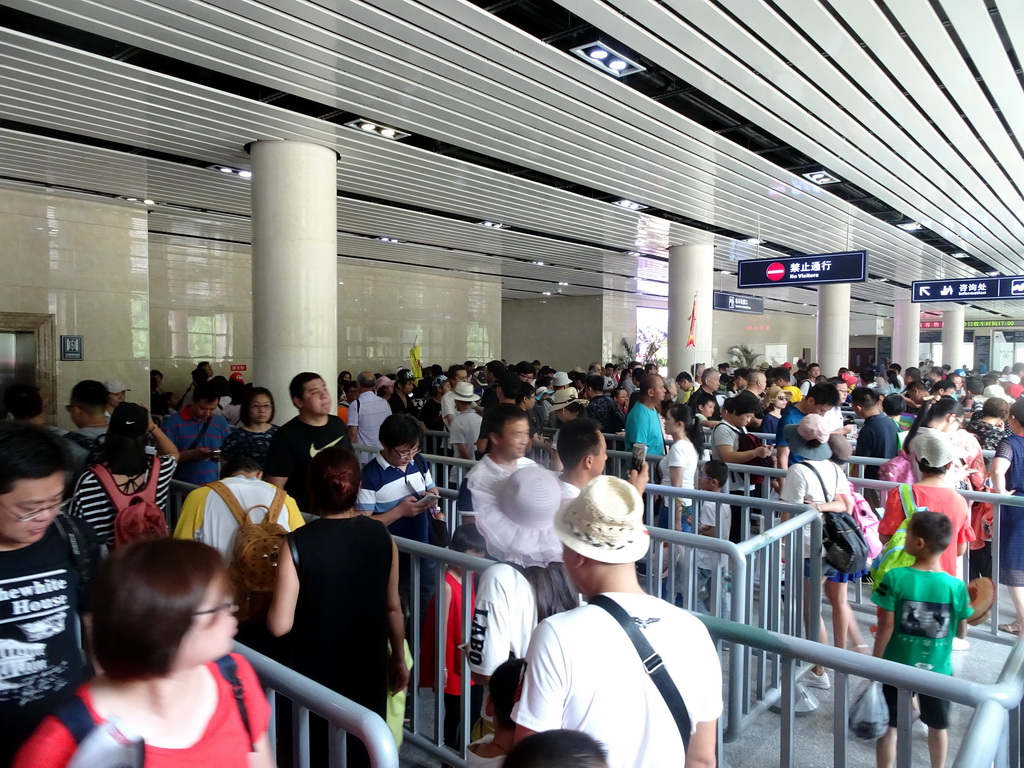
337	594
251	439
162	630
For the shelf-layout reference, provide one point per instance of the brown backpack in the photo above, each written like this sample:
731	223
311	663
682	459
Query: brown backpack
253	566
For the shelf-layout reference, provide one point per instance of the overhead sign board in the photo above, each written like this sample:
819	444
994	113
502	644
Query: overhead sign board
739	302
971	289
848	267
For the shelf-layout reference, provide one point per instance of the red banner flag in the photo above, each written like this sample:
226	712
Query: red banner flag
691	341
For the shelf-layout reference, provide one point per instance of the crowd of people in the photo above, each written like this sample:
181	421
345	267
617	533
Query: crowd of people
151	668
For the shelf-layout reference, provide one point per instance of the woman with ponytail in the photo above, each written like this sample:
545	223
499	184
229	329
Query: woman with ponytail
679	465
337	594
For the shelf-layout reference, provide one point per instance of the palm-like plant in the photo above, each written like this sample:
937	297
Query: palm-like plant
743	356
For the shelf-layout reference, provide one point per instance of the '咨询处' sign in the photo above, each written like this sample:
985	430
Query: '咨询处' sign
848	267
972	289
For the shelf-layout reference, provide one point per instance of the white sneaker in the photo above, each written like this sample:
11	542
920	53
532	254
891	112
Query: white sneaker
919	730
821	682
961	644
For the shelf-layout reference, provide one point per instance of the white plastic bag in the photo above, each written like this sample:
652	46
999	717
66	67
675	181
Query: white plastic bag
869	714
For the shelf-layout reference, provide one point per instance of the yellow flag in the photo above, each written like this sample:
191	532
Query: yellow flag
414	362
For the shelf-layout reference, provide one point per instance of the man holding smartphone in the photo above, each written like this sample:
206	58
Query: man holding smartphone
197	431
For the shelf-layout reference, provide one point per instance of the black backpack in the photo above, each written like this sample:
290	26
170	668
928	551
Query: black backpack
844	544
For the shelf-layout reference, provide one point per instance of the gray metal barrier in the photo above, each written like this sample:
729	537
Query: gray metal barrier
992	737
343	716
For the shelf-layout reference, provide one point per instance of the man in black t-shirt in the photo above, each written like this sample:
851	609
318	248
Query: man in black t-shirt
43	585
295	444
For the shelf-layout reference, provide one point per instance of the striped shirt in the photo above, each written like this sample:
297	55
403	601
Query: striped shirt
182	430
385	485
367	414
91	503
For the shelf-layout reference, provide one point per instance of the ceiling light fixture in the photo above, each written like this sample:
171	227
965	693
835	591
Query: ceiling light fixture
538	263
384	131
493	225
959	255
753	241
563	283
630	205
993	273
225	169
389	240
910	226
147	201
245	174
547	293
821	178
607	59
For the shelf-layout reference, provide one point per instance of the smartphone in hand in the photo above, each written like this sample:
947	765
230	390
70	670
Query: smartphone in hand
639	456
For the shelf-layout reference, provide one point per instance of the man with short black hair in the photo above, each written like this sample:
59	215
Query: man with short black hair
813	372
492	372
643	422
456	374
601	407
583	453
508	440
295	444
197	431
820	399
46	573
367	413
86	410
878	437
507	390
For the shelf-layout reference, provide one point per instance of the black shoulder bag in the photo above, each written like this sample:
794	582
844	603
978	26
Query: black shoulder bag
653	664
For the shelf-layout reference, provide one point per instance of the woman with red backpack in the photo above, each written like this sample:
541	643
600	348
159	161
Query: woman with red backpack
127	476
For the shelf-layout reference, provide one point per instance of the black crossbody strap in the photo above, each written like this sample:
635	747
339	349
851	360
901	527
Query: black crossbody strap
821	481
202	433
229	671
653	664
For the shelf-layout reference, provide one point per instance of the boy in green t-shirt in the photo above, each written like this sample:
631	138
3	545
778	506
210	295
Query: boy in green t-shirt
922	608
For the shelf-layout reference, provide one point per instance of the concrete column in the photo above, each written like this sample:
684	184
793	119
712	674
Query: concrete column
690	271
906	333
833	327
953	336
294	266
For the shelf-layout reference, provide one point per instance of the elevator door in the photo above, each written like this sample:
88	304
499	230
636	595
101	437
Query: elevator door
17	362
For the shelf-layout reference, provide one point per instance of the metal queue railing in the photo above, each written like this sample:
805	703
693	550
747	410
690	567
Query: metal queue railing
307	697
747	587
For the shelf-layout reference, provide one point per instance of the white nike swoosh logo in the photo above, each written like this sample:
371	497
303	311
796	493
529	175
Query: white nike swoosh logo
313	451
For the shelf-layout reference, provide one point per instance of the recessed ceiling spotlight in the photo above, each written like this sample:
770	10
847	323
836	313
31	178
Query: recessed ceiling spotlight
245	174
630	205
538	263
547	293
993	273
959	255
821	178
607	59
493	225
726	272
132	199
910	226
225	169
389	240
147	201
384	131
753	241
634	253
563	283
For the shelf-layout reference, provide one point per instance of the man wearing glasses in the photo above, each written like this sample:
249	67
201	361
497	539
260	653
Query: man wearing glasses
42	593
398	490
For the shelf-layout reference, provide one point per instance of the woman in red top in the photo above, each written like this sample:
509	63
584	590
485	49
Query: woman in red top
937	461
162	616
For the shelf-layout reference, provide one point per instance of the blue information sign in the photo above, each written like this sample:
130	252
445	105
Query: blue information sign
971	289
738	302
848	267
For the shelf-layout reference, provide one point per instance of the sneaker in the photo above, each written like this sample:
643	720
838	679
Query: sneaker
919	730
961	644
821	682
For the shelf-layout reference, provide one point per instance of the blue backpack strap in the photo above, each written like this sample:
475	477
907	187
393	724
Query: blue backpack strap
74	716
229	671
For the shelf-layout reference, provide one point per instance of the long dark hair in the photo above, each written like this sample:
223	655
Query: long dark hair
937	409
550	589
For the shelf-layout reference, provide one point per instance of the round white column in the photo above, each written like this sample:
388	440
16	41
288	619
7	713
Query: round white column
833	327
690	271
294	266
906	334
952	336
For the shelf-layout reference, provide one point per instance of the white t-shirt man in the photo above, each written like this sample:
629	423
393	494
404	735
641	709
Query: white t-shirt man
465	430
366	414
583	673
